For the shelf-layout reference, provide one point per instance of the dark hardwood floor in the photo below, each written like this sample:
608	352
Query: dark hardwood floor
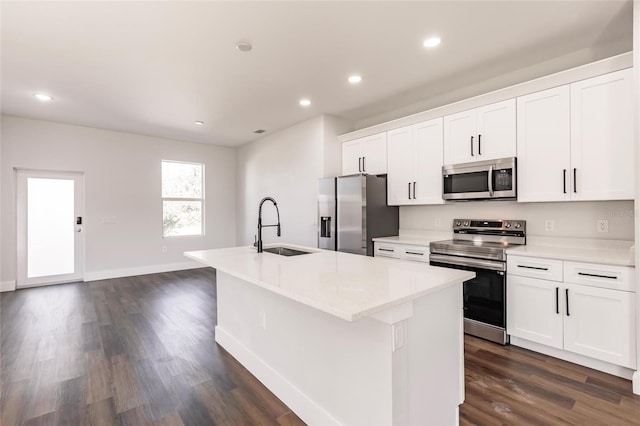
133	351
141	350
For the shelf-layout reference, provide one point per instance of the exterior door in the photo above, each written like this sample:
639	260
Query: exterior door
50	223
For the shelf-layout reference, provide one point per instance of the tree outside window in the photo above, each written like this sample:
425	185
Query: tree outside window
182	198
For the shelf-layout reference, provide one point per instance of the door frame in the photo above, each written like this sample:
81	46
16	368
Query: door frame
21	175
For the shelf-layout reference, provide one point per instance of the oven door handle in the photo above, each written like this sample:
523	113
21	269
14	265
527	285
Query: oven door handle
490	181
470	262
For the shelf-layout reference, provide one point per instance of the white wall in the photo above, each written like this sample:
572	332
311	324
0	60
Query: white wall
572	219
636	64
286	166
122	179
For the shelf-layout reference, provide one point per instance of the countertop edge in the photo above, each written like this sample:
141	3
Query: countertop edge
355	316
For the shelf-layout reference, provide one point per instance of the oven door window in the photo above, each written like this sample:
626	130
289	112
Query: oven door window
484	297
466	182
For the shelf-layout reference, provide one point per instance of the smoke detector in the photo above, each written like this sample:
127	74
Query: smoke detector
244	46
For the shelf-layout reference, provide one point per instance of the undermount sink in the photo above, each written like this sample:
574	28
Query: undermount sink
285	251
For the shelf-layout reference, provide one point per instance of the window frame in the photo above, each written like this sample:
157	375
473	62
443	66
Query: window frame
201	200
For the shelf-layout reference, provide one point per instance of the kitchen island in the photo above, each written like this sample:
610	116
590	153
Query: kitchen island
343	338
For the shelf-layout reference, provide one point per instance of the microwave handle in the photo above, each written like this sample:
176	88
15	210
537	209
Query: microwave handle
490	179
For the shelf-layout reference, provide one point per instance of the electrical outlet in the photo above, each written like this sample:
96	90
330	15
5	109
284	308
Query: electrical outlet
603	225
397	333
549	225
164	249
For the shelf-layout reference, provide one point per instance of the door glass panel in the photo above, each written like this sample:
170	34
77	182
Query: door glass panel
50	227
466	182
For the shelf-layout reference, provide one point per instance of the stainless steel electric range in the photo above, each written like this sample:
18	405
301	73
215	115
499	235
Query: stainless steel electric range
480	245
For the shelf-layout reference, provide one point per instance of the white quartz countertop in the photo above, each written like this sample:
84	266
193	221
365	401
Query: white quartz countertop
345	285
415	239
588	253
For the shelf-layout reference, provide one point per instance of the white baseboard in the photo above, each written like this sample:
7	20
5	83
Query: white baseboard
596	364
636	382
141	270
310	412
7	286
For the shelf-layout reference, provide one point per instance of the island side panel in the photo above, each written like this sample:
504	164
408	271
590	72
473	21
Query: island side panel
435	340
326	369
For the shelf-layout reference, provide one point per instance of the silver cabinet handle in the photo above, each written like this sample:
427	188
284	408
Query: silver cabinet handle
414	190
567	299
490	178
564	181
472	146
409	193
364	169
479	145
386	249
575	184
415	252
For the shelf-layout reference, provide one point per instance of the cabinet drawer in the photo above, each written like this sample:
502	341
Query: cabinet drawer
533	267
603	276
386	250
415	253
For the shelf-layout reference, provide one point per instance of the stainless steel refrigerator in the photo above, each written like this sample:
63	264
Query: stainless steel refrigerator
352	210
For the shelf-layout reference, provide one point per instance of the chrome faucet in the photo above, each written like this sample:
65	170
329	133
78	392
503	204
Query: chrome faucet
258	242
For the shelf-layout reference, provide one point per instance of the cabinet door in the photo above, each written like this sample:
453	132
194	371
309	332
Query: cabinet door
544	145
400	166
352	157
428	159
602	151
496	130
374	154
600	323
460	138
534	311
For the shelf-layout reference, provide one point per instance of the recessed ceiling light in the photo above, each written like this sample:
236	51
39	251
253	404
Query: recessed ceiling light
243	46
354	79
42	97
431	42
305	102
199	123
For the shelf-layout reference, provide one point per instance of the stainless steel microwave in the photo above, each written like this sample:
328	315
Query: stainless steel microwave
480	180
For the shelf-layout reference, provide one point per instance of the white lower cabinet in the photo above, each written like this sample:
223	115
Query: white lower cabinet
590	318
531	310
600	323
414	253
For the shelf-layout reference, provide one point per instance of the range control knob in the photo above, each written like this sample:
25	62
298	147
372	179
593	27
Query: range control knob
507	225
458	223
466	224
518	225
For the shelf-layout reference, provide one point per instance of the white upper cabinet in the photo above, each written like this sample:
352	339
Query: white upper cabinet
365	155
414	164
484	133
575	142
544	141
602	151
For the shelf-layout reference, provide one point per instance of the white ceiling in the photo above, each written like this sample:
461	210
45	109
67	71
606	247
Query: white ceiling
154	67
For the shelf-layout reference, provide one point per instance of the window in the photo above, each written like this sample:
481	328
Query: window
182	198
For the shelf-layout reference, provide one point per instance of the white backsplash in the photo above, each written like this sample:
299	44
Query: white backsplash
570	219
